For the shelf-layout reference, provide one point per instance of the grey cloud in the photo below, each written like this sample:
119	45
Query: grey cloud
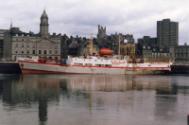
82	16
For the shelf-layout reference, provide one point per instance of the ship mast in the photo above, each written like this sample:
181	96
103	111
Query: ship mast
119	45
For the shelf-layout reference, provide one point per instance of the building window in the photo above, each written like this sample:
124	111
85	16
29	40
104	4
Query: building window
39	51
16	46
50	51
33	51
45	51
55	52
16	52
28	52
22	52
34	45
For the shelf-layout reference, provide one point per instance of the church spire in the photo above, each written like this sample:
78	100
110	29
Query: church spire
44	15
44	25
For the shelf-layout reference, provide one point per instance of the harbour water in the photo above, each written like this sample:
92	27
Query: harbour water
94	100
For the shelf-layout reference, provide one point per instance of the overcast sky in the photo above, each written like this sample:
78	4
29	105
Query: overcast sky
137	17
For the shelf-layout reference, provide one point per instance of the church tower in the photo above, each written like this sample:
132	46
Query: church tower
44	25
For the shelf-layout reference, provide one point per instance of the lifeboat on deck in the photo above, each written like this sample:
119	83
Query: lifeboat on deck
105	52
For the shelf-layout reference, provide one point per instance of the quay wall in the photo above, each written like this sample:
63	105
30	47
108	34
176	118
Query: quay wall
9	68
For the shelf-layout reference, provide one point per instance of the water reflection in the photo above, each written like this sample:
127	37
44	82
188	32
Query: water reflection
100	93
27	90
118	83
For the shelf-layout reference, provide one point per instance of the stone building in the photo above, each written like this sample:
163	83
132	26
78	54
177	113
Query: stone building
128	49
150	55
146	42
2	34
101	32
102	37
182	54
129	38
112	41
148	48
21	44
73	47
90	48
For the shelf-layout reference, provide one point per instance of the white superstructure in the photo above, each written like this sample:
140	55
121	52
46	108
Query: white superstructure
97	61
110	62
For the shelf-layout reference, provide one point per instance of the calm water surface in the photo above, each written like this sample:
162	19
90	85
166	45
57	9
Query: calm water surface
94	100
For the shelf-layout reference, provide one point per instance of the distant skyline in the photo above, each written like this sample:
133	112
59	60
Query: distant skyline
81	17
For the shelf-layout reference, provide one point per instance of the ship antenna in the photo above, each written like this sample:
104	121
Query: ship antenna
11	25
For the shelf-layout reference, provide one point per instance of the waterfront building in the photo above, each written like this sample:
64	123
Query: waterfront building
148	49
146	42
2	34
128	49
182	54
113	40
90	48
73	47
155	54
167	33
21	44
152	55
128	38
